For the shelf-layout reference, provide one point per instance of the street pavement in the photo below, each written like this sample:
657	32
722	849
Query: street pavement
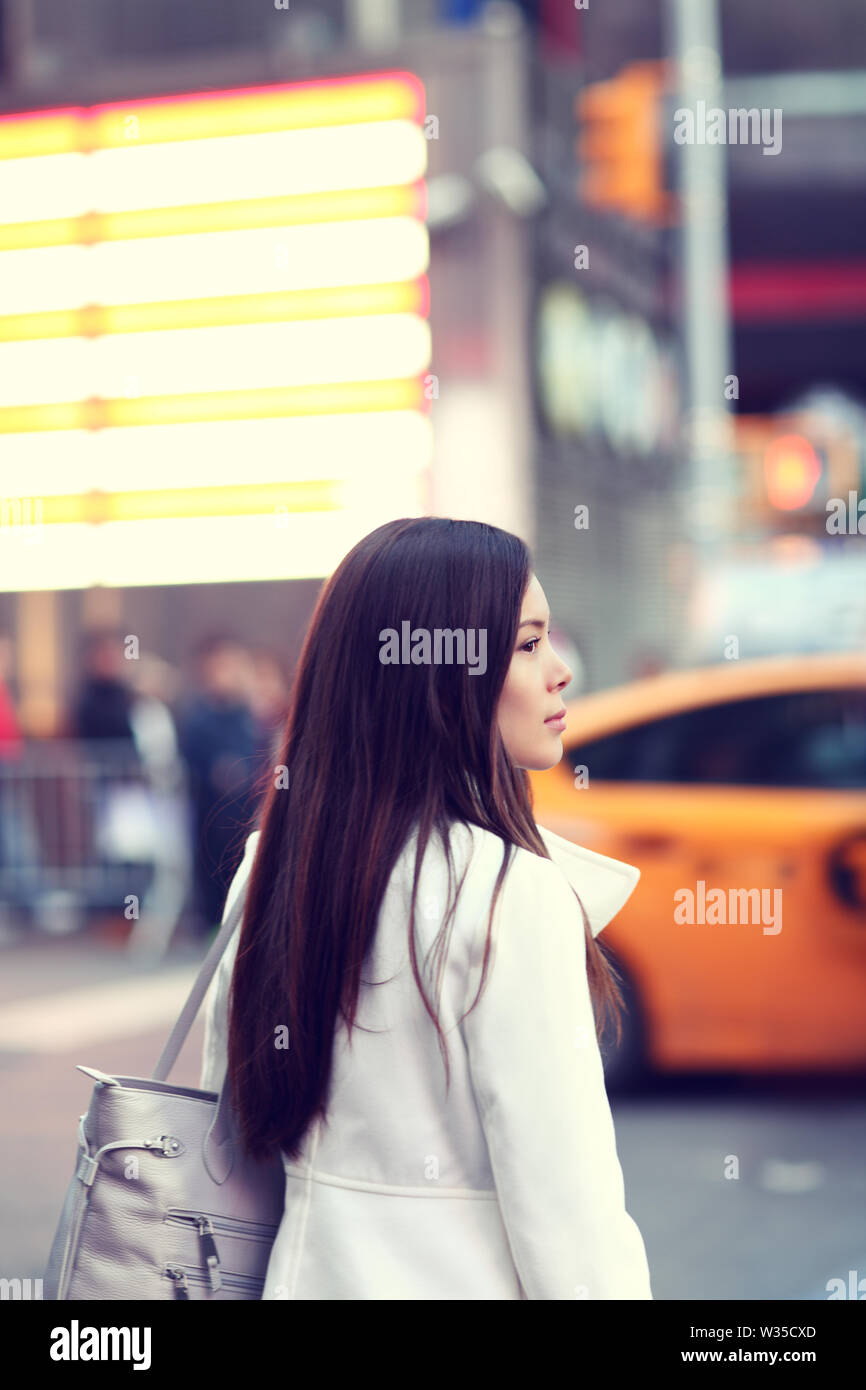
792	1218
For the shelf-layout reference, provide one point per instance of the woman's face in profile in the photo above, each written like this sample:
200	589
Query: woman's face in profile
533	689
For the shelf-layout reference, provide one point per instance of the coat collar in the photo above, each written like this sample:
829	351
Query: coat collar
604	885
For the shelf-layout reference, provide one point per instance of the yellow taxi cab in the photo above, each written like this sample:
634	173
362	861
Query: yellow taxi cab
739	791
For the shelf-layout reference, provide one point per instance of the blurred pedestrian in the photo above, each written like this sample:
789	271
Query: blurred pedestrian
103	705
19	847
270	702
155	685
220	741
154	689
11	742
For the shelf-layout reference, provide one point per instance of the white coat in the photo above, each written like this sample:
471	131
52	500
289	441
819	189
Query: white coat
509	1186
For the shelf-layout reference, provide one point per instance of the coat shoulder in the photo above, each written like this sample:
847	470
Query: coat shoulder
525	868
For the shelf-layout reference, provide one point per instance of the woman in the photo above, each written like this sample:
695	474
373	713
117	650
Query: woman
411	1021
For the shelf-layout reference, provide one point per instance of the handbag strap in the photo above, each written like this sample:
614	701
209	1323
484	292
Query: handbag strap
190	1009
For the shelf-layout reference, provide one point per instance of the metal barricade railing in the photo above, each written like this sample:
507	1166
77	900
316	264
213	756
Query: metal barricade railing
95	825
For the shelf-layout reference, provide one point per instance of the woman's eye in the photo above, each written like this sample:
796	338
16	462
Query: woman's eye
532	643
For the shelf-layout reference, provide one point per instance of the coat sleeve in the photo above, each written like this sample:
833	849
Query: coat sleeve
538	1078
215	1048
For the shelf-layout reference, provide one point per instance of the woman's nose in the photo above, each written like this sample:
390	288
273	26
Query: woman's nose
566	678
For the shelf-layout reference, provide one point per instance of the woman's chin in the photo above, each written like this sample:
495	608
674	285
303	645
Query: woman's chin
545	759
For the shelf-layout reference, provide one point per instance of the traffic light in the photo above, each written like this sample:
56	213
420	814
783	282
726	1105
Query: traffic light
793	468
790	466
620	145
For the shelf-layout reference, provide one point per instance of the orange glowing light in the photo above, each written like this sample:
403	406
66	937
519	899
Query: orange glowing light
791	471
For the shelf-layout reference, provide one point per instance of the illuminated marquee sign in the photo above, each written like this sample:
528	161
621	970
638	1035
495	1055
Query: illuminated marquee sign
213	332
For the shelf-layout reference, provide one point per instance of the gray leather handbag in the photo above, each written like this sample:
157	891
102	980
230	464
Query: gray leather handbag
163	1202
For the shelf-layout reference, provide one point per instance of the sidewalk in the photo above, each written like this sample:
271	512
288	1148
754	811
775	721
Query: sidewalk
63	1002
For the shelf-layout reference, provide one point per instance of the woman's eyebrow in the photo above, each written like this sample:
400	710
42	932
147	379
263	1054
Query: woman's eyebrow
531	622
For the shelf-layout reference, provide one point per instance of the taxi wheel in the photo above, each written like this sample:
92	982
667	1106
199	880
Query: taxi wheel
625	1066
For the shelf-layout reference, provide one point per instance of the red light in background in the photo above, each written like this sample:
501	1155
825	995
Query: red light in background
791	471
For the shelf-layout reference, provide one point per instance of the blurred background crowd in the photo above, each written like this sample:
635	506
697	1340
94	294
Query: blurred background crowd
130	737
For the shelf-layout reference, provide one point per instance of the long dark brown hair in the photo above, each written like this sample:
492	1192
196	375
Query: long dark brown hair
372	752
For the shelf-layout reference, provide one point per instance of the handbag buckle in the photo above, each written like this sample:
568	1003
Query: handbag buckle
167	1144
87	1169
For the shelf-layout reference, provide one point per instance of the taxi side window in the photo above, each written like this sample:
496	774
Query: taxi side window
645	753
819	740
803	739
